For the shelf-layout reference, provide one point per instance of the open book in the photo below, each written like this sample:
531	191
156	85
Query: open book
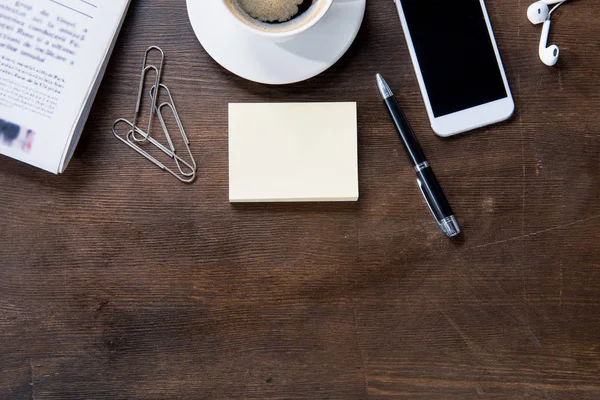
53	54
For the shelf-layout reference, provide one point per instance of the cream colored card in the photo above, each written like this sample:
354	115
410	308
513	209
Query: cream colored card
293	152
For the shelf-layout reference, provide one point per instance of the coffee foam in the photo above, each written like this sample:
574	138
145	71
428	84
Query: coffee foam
237	8
271	10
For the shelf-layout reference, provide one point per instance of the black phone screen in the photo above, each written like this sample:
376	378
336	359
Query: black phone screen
455	53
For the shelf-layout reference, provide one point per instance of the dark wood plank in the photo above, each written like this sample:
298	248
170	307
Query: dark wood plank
118	282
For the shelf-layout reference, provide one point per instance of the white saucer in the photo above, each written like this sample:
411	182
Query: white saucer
257	59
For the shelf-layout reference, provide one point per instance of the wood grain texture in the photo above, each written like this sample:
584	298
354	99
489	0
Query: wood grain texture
118	282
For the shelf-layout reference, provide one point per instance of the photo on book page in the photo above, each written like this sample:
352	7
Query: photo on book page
15	136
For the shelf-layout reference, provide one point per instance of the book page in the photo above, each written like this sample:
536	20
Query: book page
50	55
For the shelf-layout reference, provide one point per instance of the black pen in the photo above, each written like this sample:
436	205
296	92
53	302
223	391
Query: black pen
430	187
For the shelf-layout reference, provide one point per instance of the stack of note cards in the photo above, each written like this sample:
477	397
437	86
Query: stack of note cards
293	152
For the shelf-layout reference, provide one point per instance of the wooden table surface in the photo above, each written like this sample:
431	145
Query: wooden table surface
117	281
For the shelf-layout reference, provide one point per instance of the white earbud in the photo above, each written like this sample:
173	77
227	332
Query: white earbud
539	11
548	54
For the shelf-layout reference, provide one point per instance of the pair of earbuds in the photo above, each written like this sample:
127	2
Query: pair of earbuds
540	13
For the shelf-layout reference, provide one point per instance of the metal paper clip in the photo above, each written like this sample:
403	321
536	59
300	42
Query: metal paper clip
132	144
157	79
171	105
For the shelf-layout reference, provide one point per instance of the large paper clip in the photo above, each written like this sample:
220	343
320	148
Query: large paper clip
157	78
128	140
171	105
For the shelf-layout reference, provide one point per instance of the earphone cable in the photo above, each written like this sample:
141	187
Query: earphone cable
555	7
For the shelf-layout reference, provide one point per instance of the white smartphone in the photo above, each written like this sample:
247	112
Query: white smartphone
457	62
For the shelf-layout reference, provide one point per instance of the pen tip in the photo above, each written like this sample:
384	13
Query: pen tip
384	89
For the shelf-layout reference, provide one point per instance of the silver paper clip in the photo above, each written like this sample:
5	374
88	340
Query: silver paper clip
157	78
132	144
171	105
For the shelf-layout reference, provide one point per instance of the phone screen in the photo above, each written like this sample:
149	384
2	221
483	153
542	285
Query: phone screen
455	53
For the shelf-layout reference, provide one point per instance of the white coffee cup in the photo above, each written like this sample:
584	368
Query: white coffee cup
280	31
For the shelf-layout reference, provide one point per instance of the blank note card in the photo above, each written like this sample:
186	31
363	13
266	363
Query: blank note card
293	152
